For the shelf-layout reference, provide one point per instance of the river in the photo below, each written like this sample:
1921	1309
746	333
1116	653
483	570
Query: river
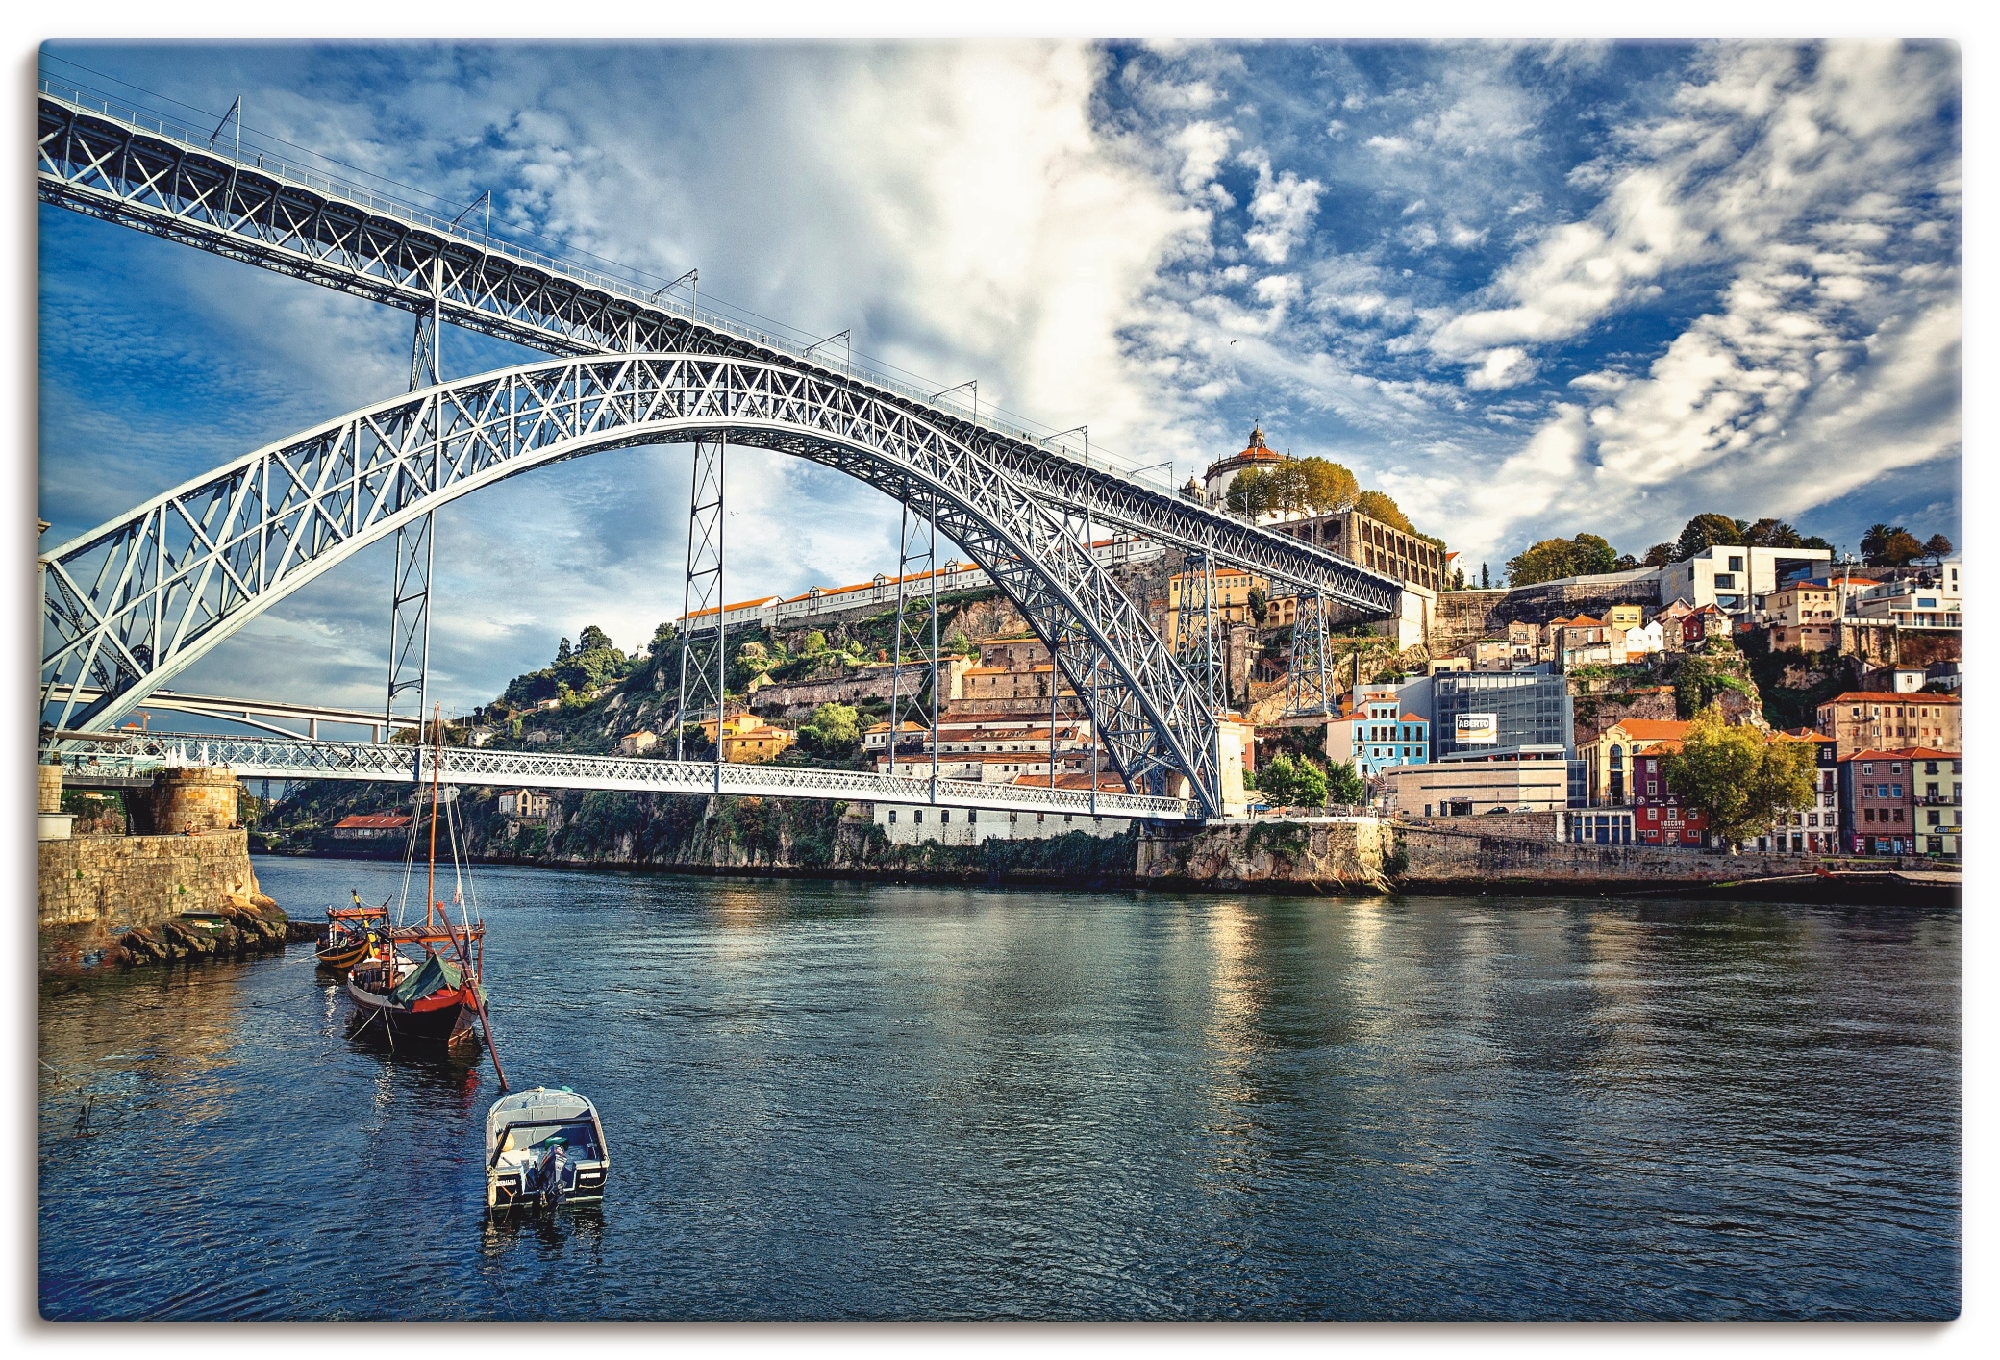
832	1100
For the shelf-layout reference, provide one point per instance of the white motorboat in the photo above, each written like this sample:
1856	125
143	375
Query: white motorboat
543	1147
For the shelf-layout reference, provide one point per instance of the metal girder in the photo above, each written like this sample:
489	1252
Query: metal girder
142	171
1310	685
705	646
137	599
916	616
275	758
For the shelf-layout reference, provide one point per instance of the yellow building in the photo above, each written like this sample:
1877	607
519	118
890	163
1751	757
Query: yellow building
1624	617
1608	756
749	740
1232	598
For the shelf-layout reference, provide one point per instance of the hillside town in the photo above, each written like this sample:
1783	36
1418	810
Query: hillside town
1582	697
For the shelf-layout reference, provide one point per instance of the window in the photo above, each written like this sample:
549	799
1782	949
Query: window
1735	562
1868	814
1930	767
917	817
892	816
944	818
1934	817
1652	786
1898	791
1868	767
972	815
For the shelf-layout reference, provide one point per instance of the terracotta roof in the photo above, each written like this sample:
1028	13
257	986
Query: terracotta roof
1653	729
757	603
375	820
1906	753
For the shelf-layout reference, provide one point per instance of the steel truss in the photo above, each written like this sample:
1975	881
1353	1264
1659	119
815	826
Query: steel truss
143	172
1197	643
275	758
1311	688
705	645
916	623
130	603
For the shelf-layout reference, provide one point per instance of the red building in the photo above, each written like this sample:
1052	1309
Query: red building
1659	816
1878	802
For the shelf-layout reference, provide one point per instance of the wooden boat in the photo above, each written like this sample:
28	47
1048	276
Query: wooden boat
544	1147
420	982
351	933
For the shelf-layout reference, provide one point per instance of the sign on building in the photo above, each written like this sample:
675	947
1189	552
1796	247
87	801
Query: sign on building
1478	729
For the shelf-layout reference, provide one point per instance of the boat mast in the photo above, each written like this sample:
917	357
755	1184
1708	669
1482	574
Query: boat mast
430	872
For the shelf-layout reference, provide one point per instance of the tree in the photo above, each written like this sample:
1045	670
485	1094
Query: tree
815	643
1485	577
833	730
1659	555
562	651
1248	495
1379	505
1260	605
1743	780
592	638
1900	550
1705	531
1875	539
1937	547
1329	487
1772	533
1343	785
1458	578
1555	558
1293	783
663	641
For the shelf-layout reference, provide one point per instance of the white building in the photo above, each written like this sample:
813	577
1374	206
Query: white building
1732	576
1910	604
909	825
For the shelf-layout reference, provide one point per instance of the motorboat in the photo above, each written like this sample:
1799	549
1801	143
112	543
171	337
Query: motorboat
543	1147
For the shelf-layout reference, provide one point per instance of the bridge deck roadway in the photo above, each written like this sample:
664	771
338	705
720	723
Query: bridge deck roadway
275	758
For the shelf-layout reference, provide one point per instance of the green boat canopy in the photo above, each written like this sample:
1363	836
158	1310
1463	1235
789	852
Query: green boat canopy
436	975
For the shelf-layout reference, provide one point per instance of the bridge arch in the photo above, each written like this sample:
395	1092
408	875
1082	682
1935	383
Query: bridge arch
132	602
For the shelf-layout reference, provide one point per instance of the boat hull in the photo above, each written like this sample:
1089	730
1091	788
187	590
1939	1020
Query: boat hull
338	958
442	1018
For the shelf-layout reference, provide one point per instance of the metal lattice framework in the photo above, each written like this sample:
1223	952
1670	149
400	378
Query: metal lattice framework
142	171
399	763
916	626
1311	688
132	602
704	674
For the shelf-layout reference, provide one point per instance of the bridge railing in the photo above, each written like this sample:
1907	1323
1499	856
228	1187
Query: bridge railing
279	758
632	284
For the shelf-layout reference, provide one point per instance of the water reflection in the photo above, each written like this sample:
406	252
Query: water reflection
830	1101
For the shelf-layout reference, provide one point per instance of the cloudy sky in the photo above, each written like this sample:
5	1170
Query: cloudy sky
1528	290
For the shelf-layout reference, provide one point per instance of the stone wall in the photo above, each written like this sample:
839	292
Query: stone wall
124	897
1347	855
853	684
1541	603
1463	616
194	798
1438	857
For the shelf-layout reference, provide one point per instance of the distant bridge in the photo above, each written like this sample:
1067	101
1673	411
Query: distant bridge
396	763
259	713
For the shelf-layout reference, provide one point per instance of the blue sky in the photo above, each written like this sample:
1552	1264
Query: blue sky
1527	289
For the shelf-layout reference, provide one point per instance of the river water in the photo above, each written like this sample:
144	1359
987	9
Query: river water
830	1100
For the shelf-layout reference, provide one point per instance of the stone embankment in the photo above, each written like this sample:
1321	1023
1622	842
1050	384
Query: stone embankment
1513	855
156	896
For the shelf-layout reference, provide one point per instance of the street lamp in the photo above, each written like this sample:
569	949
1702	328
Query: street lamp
972	383
1083	430
1151	467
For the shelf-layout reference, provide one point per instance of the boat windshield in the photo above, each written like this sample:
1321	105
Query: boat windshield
578	1136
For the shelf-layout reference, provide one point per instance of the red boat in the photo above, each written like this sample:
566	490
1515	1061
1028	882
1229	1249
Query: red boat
419	983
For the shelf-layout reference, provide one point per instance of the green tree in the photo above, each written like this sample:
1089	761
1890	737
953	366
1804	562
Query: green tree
833	730
663	641
1740	778
562	651
1380	505
1552	559
1343	785
1659	555
1875	539
1705	531
1900	550
592	638
1248	494
1290	782
1329	487
1772	533
1937	547
815	643
1260	605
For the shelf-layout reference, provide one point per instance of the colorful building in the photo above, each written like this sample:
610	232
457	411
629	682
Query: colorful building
1608	757
1659	815
1814	829
1876	802
1378	735
1869	719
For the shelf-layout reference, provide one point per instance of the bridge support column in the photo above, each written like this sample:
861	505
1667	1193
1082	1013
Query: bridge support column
916	552
410	578
1310	685
703	680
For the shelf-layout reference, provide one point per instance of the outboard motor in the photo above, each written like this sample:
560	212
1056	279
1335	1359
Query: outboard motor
547	1181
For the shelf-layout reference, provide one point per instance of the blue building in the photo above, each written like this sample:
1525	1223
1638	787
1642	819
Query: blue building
1379	735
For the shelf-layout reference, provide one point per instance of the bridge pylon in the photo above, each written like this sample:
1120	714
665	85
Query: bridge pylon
410	575
704	677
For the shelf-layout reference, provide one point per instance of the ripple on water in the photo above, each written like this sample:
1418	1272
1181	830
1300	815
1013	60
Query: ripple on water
842	1101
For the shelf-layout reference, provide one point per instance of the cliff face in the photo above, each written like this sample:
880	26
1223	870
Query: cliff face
1355	855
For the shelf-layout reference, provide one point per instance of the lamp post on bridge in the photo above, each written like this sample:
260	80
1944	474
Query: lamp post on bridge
847	339
972	383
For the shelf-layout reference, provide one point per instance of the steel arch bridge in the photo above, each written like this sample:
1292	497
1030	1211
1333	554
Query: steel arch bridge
136	600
